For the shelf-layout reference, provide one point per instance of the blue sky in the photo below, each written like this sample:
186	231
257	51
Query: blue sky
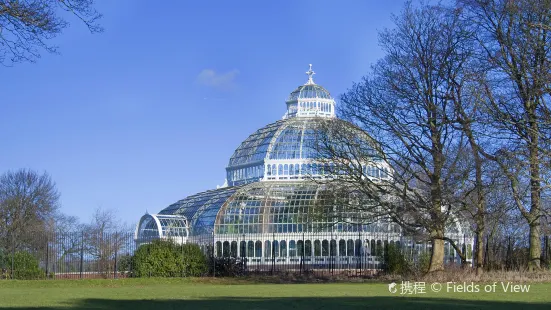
151	110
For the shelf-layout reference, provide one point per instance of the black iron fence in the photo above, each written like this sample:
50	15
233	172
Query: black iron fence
81	255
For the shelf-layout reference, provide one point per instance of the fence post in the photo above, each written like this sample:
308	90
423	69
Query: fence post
182	248
331	252
12	257
81	253
303	250
213	256
547	258
273	254
360	249
47	257
115	267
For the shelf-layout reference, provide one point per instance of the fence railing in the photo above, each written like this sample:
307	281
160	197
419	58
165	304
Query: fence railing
80	255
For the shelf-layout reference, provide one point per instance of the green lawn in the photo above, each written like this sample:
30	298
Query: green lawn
233	294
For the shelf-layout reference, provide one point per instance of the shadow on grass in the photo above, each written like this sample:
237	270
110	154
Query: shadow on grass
301	303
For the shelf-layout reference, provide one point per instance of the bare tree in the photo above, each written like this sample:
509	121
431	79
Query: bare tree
104	238
64	237
407	106
27	203
27	25
514	41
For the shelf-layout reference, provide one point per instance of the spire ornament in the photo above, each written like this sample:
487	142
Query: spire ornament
310	74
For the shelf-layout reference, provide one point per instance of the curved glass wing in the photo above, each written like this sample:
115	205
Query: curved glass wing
291	207
201	209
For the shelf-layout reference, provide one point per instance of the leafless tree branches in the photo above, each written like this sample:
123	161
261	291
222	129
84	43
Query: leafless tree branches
27	25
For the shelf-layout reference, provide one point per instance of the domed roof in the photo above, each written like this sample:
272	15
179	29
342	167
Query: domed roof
291	138
285	150
309	91
284	137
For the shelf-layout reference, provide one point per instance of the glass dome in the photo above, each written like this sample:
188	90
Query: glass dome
309	91
287	145
268	209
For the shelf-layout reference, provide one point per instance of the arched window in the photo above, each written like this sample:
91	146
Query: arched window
286	169
233	249
226	249
317	248
274	170
300	248
267	249
367	249
250	248
275	248
333	247
342	247
350	247
303	169
297	169
325	248
268	170
283	247
218	249
358	247
292	248
258	249
243	249
308	248
280	169
291	169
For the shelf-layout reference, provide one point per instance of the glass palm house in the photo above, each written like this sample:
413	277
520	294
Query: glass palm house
266	208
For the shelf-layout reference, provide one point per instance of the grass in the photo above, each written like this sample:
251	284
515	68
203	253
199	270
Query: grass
243	294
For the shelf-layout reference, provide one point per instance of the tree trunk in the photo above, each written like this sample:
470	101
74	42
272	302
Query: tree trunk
535	192
437	253
535	246
479	252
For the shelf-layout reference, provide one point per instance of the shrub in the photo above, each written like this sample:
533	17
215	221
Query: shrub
422	264
227	266
124	263
25	266
395	262
162	258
